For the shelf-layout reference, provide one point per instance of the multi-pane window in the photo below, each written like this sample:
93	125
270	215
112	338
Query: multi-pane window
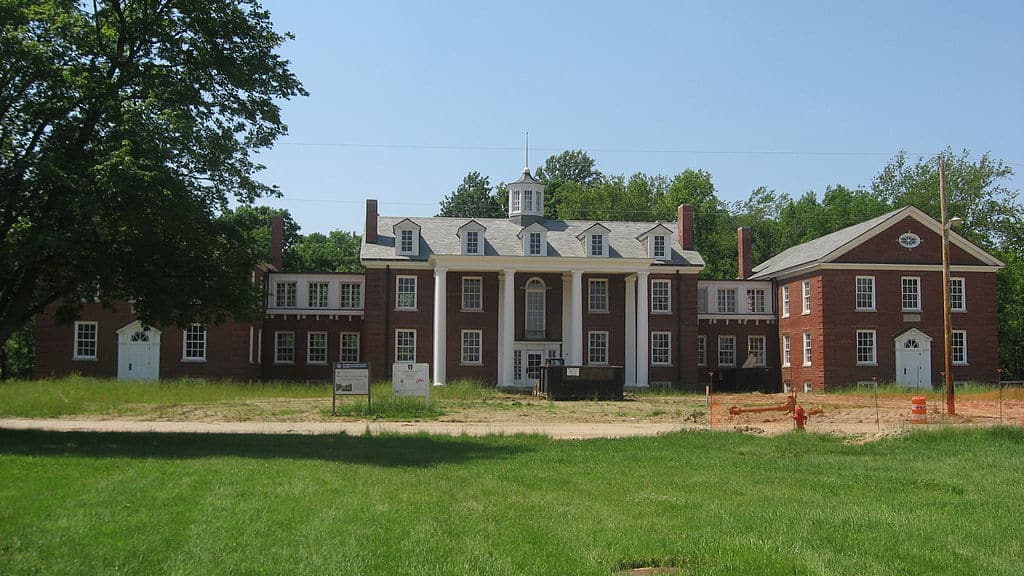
597	245
807	348
285	295
598	295
471	293
598	347
659	247
756	348
406	241
957	300
284	347
316	348
535	296
866	347
535	243
661	348
85	340
960	347
726	350
911	293
806	287
865	292
702	350
406	299
755	300
785	301
318	294
471	342
405	345
661	295
786	347
515	201
350	347
517	365
527	200
726	300
194	344
351	296
472	242
702	300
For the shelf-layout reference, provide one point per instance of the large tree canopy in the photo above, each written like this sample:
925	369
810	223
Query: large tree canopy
126	127
473	199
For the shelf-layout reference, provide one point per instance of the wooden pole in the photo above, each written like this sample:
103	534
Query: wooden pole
947	318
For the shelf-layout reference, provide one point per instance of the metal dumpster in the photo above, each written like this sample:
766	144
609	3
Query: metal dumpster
559	382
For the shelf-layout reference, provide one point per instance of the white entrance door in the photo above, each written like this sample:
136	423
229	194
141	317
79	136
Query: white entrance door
138	352
914	359
534	361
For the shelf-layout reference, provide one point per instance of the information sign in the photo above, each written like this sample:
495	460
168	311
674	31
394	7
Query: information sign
350	379
411	379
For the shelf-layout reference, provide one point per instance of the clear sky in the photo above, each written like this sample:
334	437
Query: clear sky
408	97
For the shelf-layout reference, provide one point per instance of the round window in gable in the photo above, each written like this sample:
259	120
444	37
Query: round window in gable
910	240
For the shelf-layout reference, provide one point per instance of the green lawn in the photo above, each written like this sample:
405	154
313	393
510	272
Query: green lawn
939	502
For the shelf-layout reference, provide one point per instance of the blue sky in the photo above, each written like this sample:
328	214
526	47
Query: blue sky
408	97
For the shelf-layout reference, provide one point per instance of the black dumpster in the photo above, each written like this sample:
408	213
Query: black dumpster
560	382
763	380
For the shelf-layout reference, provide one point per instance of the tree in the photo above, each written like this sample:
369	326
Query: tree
254	224
335	252
125	129
568	167
472	199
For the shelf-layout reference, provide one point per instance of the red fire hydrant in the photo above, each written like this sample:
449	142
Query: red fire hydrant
799	417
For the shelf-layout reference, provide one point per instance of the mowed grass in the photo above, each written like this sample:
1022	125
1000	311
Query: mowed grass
935	502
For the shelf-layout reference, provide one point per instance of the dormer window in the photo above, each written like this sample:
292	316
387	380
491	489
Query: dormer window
534	244
472	235
472	242
407	238
597	245
535	240
656	240
658	247
595	241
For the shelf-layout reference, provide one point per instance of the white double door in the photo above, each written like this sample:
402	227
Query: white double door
138	352
529	359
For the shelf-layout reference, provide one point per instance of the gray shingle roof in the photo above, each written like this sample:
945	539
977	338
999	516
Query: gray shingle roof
819	248
438	236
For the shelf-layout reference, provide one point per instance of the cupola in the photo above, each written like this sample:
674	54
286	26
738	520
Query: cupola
526	199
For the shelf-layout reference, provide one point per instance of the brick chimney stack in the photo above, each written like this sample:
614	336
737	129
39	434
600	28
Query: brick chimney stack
277	241
744	239
684	226
370	234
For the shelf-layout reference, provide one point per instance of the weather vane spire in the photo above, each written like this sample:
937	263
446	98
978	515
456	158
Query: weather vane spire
527	149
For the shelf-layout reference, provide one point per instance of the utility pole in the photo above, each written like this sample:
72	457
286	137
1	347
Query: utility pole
947	316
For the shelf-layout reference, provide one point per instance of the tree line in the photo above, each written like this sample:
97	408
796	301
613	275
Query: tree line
992	214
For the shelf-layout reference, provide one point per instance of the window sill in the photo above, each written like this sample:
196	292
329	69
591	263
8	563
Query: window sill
911	310
807	365
784	316
406	310
960	364
284	363
471	310
654	365
471	363
805	313
597	311
661	312
961	311
84	358
787	365
193	360
316	363
720	365
865	310
867	363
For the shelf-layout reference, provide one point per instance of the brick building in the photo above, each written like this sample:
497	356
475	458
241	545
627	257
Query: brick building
493	298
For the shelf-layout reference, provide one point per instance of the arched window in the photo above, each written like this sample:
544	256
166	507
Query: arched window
536	292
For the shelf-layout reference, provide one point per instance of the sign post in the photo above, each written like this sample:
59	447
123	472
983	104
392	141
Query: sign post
351	379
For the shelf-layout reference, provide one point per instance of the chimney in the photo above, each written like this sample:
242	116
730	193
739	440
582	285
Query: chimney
370	234
744	237
277	241
684	226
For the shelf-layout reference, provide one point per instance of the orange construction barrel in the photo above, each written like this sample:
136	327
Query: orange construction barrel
918	410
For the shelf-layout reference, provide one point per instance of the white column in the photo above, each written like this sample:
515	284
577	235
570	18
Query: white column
576	336
508	324
630	330
440	315
501	330
566	317
643	336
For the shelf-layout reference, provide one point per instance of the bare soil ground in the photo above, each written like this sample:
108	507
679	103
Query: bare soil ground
845	414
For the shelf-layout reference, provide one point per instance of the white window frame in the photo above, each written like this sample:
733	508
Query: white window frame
594	343
661	355
398	292
723	305
702	299
805	288
597	300
535	249
79	340
527	200
958	292
659	247
756	300
702	350
808	351
280	350
596	245
958	350
407	332
320	349
467	295
285	295
199	335
866	348
473	242
341	352
535	285
472	354
407	241
515	202
723	348
785	301
761	356
661	303
787	347
355	292
857	293
905	283
322	289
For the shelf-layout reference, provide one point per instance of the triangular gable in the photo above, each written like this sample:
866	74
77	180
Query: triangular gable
535	227
471	225
404	224
596	228
658	228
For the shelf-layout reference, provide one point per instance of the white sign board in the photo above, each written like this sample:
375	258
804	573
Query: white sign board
572	371
410	379
351	378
